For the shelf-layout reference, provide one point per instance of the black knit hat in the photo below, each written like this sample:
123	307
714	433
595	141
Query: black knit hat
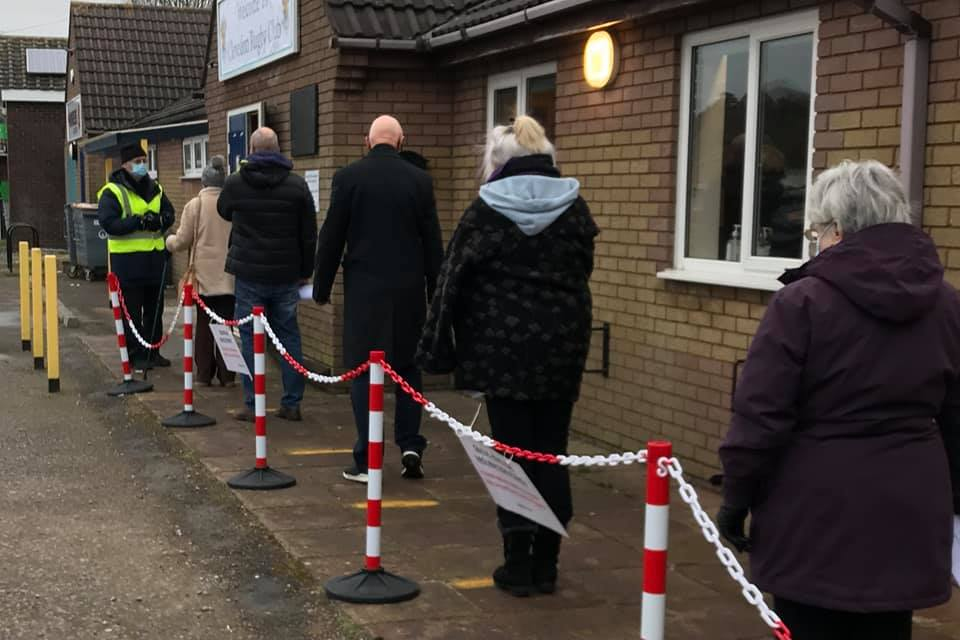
131	151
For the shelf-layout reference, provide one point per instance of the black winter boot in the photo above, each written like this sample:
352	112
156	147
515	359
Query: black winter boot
515	576
546	552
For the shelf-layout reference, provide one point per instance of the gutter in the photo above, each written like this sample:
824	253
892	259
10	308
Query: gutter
430	41
916	75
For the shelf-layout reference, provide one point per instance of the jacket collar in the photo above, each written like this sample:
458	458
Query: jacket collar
384	150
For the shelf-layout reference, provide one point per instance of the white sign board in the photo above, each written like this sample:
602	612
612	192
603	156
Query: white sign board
313	182
232	357
252	33
74	119
509	486
956	549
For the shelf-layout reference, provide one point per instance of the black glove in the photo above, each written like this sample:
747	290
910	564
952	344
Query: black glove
152	222
730	522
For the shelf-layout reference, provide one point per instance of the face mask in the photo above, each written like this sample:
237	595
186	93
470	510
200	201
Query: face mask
820	237
138	169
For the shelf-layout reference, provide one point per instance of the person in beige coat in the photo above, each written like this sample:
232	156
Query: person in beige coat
205	235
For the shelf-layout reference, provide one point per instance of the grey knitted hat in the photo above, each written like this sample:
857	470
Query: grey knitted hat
214	173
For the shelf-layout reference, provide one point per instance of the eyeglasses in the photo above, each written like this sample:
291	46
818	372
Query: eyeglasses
812	234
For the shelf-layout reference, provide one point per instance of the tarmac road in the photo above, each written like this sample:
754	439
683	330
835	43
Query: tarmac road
107	530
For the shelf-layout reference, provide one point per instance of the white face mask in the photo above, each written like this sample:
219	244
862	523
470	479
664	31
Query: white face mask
820	236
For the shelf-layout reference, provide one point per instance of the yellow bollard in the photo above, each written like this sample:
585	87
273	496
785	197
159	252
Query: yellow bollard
25	295
36	271
53	324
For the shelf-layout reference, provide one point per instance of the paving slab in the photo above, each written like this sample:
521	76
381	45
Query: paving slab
441	531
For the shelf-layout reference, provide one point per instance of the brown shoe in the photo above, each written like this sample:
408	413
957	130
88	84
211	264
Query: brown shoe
244	415
289	413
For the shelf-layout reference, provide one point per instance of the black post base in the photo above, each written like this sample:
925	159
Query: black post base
130	386
188	419
53	385
25	345
371	587
37	363
261	480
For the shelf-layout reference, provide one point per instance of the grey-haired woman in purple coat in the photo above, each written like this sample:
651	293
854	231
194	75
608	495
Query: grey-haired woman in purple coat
846	427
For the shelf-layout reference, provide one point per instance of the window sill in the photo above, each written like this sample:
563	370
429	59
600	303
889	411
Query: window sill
741	280
190	177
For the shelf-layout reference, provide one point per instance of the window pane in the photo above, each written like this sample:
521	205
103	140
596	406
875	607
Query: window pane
782	146
206	151
187	159
542	101
197	155
718	113
504	105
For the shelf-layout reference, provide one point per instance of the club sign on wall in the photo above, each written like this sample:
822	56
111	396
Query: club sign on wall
252	33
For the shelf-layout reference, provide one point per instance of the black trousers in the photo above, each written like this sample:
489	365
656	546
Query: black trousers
813	623
542	426
207	360
145	304
406	417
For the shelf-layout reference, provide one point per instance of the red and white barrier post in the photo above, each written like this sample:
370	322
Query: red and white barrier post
261	477
655	531
372	584
129	385
188	417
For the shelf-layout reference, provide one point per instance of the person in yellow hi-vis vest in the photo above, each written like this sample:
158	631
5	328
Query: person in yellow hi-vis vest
135	213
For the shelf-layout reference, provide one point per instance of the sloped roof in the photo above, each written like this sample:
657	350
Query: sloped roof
400	19
133	61
189	109
13	64
484	11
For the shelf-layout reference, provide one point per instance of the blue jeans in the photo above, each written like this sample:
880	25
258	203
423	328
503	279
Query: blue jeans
279	304
406	420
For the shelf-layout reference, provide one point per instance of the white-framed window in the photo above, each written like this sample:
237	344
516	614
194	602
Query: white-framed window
745	151
152	161
532	91
194	156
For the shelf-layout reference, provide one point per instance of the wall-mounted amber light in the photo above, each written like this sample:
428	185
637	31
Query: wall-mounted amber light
601	58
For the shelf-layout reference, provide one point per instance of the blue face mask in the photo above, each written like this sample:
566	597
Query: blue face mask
138	169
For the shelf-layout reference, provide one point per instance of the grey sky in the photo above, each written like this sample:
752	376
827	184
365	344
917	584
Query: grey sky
37	17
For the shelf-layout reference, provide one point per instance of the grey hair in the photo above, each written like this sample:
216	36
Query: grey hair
857	195
525	137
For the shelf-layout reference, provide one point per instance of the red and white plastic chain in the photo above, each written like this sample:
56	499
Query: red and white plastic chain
750	592
215	317
133	326
627	457
302	370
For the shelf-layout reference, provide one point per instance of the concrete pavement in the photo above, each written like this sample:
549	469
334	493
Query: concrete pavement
441	531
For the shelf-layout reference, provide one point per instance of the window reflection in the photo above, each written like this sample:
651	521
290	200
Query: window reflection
542	101
782	146
717	128
504	105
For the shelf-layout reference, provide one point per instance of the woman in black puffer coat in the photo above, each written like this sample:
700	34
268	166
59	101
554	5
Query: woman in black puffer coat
511	317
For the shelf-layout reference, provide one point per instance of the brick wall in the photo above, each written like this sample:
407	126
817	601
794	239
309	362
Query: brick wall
316	63
860	79
36	168
674	345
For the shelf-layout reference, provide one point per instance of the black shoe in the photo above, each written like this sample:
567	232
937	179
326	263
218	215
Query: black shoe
159	361
515	575
546	553
289	413
355	474
412	465
245	415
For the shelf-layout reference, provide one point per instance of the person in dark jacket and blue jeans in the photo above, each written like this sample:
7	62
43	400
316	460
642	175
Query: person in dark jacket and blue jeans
512	318
845	438
272	242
